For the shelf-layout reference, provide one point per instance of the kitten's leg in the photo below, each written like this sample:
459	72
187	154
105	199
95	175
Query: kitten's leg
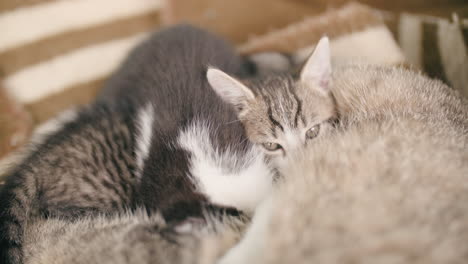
251	247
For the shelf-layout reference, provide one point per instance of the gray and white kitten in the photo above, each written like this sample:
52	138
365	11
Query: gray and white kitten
280	113
190	149
157	138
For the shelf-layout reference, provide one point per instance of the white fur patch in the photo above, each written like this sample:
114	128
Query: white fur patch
244	188
145	130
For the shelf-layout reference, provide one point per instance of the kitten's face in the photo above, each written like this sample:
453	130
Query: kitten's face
285	116
280	114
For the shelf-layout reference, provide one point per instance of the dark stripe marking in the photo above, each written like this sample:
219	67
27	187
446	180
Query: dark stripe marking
299	108
273	121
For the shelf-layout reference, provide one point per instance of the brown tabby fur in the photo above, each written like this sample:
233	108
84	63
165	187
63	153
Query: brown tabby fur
389	186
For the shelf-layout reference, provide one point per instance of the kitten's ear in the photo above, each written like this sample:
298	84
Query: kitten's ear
317	70
229	89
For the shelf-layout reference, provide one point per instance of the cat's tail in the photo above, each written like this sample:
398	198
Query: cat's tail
17	205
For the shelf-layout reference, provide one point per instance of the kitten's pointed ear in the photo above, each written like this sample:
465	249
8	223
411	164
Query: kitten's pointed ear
317	69
229	89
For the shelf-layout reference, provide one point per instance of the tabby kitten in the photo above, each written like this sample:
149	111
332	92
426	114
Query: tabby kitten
76	170
389	185
279	113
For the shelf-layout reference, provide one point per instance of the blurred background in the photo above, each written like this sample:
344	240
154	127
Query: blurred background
55	54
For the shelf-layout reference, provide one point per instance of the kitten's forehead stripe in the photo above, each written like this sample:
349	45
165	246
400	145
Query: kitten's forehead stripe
298	108
273	121
284	108
291	98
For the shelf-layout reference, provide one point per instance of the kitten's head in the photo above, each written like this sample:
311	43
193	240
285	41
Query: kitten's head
279	113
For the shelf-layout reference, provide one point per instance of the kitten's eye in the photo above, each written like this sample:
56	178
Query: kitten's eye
270	146
313	132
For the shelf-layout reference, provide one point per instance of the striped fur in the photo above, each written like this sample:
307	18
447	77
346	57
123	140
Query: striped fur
77	170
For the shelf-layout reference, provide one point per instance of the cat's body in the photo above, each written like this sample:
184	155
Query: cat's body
158	138
389	186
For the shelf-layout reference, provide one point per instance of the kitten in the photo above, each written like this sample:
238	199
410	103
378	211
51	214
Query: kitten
280	114
388	186
192	150
158	137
